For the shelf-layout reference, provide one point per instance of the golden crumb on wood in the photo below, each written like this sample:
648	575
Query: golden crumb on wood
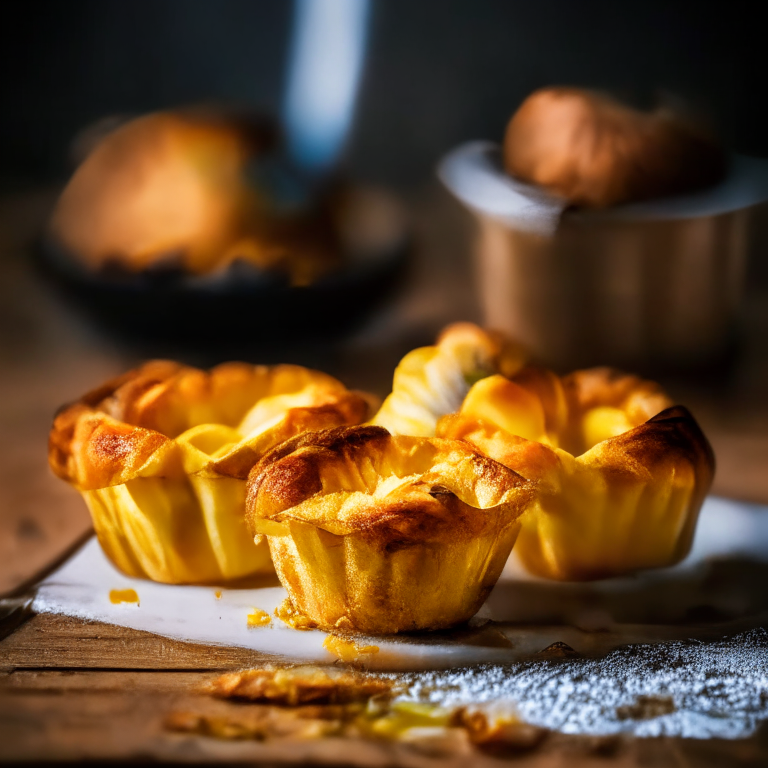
296	686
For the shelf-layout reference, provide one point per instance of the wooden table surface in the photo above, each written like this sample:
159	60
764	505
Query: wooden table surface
71	689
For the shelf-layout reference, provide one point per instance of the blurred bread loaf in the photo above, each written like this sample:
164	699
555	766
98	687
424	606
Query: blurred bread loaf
179	188
597	152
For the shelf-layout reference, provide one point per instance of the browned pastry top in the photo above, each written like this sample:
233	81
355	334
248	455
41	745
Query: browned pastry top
143	416
385	488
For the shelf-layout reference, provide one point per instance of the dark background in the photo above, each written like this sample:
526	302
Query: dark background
437	71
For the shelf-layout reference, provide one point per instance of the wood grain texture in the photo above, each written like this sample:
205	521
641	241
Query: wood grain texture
60	715
60	642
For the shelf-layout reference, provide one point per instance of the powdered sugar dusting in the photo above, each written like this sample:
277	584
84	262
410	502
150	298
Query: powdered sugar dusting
689	689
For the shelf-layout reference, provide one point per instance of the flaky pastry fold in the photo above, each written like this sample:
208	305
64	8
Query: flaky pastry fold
161	455
431	382
381	534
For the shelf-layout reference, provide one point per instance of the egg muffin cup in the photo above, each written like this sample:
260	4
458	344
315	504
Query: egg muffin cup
381	534
620	475
161	456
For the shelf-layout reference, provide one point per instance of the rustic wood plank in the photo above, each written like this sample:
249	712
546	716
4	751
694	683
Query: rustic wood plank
121	715
60	642
72	715
76	681
56	713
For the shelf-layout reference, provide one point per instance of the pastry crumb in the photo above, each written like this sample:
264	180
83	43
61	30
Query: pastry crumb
314	702
497	732
117	596
297	686
259	618
288	614
348	650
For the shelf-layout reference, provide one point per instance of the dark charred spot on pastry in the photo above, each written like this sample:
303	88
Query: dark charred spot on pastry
686	425
672	434
402	523
279	452
493	472
112	446
335	440
394	544
440	490
352	440
292	480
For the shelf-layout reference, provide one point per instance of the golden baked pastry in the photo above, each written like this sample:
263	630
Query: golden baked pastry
620	475
174	186
597	152
431	382
382	534
162	453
